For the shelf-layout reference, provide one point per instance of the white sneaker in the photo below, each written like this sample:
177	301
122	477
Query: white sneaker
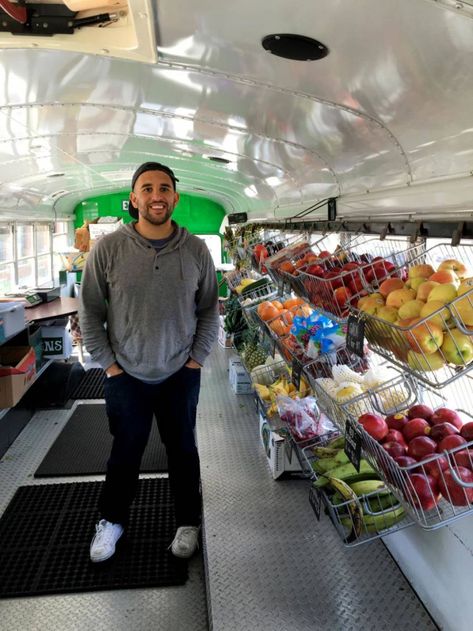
186	541
104	541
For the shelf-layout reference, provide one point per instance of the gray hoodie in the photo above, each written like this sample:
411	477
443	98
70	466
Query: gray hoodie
160	308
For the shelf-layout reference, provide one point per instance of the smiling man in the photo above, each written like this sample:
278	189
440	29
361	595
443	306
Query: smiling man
149	317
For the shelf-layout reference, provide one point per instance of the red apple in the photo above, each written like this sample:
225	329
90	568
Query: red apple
441	430
423	491
356	285
394	449
325	254
436	466
453	492
415	427
420	411
464	458
336	282
420	447
315	270
394	435
442	415
342	295
406	461
467	431
396	421
450	442
374	424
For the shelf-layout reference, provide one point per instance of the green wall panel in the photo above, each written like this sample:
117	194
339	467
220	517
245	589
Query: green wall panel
197	214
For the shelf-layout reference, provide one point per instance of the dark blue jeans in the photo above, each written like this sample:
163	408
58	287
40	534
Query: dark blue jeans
130	407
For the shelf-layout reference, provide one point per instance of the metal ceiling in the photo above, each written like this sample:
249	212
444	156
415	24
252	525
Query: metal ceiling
383	122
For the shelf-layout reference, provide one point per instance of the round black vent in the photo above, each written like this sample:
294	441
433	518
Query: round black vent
297	47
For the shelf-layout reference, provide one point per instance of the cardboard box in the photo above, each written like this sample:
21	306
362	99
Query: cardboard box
280	452
13	316
240	380
35	340
17	373
56	342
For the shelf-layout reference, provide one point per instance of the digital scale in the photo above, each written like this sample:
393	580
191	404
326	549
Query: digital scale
30	300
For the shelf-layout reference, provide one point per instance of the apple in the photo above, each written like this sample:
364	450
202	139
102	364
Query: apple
389	314
376	273
396	436
453	492
466	431
441	430
457	348
415	427
398	297
411	309
450	442
463	458
420	410
422	270
445	276
363	299
394	449
389	285
425	288
423	491
397	421
407	462
335	280
415	283
427	363
356	285
315	270
324	254
342	295
374	425
437	313
426	337
445	414
371	305
456	266
436	466
420	447
443	293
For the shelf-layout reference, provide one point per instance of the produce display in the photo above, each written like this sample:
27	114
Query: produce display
282	386
428	449
424	321
359	501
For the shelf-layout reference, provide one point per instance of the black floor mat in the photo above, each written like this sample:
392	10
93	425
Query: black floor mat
91	385
45	536
83	447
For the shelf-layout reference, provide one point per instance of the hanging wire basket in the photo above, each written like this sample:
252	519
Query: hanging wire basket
442	490
436	345
360	516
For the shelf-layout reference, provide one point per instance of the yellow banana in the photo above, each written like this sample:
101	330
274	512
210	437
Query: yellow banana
352	505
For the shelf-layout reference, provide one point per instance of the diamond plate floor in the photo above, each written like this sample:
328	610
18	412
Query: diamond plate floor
269	564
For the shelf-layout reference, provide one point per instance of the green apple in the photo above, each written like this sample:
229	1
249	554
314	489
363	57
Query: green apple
425	363
457	348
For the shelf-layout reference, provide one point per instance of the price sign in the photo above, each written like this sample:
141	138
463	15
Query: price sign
355	335
273	348
296	373
315	499
353	440
281	286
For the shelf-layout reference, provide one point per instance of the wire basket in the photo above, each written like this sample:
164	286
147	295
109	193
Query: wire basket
436	345
352	273
431	505
365	394
359	514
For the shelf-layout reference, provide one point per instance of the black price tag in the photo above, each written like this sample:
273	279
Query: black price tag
315	499
296	373
356	335
281	286
353	440
273	348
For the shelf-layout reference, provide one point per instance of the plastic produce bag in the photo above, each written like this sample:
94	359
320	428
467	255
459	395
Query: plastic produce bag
303	418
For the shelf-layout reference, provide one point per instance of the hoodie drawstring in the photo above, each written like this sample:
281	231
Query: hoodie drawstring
181	261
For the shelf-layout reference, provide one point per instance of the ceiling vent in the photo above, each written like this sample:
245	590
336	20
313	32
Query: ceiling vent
296	47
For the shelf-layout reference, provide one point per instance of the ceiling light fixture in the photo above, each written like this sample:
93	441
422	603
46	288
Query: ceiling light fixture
56	175
292	46
218	159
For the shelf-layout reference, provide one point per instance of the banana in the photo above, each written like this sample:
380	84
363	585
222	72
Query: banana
360	477
355	519
341	457
343	472
365	487
325	452
337	443
263	391
384	520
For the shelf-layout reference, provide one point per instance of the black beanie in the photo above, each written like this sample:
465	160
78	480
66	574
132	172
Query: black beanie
149	166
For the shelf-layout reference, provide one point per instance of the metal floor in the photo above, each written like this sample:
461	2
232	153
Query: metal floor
269	565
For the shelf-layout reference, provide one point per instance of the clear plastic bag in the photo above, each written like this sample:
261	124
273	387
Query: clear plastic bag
303	418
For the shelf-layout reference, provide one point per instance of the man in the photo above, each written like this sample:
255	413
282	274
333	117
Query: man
149	317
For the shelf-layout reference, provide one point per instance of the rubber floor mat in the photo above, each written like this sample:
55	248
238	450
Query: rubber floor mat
46	531
91	385
83	447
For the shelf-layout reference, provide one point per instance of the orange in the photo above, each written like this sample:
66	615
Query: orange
293	302
268	312
277	304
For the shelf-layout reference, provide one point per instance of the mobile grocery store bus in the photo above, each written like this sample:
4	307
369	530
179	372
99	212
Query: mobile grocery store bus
324	152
